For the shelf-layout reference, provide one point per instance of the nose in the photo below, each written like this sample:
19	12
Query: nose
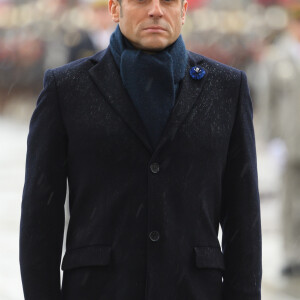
155	10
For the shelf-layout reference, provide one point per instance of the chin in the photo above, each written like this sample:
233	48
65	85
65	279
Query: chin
154	45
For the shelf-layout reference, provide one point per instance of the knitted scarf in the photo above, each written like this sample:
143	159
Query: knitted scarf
151	80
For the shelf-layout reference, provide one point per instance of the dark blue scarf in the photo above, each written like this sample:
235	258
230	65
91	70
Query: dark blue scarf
151	80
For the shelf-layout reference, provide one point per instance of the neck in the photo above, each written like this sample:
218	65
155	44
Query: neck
120	44
132	45
128	42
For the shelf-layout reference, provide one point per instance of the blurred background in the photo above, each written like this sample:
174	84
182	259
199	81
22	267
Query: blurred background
261	37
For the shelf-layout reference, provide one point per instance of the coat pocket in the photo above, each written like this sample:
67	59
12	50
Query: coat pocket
209	258
96	255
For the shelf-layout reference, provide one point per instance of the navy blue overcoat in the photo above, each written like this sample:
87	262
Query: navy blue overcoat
144	221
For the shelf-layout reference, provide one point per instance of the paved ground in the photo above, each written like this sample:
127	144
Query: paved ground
13	135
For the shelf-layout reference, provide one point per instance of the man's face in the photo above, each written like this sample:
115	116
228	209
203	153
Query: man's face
150	25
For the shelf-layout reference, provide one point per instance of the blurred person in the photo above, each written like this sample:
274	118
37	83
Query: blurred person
101	23
56	50
158	147
6	61
280	94
64	42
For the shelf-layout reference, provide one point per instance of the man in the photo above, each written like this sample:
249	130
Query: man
150	180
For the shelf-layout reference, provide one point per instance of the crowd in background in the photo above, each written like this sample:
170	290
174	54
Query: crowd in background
36	35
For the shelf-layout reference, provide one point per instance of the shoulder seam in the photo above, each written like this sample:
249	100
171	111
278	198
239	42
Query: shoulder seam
58	97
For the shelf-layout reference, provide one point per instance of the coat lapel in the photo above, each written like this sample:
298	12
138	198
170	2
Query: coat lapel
189	92
105	75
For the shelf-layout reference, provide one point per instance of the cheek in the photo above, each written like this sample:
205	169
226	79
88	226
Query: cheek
126	26
131	22
177	26
176	20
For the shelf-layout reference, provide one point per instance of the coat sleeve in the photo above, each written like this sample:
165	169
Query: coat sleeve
240	214
44	192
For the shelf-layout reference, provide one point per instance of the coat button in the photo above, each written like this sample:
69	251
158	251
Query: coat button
154	236
154	167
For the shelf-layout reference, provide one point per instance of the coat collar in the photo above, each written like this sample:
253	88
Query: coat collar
105	75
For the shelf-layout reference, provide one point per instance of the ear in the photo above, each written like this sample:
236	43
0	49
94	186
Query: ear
114	10
183	12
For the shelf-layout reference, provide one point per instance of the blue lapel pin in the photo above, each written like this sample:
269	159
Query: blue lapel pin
197	72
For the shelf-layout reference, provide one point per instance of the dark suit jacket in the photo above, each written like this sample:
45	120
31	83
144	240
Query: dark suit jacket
143	222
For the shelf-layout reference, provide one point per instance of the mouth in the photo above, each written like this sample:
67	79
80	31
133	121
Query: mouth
155	29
